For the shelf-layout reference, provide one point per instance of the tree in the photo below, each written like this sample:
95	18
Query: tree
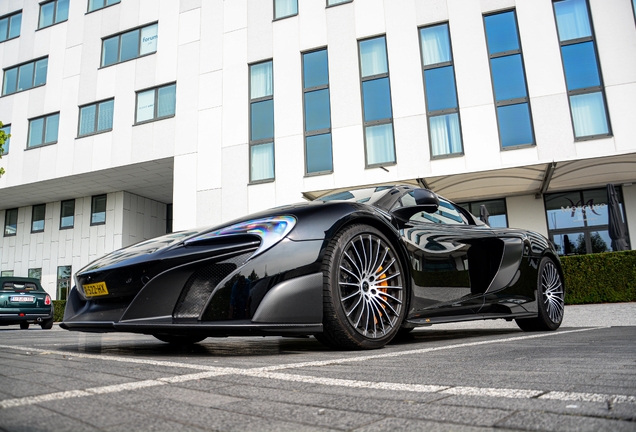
3	137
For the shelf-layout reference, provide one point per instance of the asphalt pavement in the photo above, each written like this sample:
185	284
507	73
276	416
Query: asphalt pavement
476	376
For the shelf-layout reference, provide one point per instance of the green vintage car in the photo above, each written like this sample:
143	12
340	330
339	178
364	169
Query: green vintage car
23	301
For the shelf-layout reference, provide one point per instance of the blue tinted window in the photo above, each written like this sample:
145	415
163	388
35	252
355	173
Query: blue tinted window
25	76
514	125
440	88
589	115
508	77
581	70
377	99
41	66
262	117
129	45
373	57
380	148
7	130
110	50
10	81
435	44
36	132
14	27
501	33
315	69
572	19
4	27
319	156
317	114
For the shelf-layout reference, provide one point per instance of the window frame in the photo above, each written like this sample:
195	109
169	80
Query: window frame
515	101
438	113
97	111
89	10
43	143
93	212
17	67
587	90
338	3
6	222
9	18
262	141
316	132
43	220
119	36
277	18
156	103
380	122
5	146
44	3
62	227
35	270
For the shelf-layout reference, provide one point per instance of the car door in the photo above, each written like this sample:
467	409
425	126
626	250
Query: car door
453	261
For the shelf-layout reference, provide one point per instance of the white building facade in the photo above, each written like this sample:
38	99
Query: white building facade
131	118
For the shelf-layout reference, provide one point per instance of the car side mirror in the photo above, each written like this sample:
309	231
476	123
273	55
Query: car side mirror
425	201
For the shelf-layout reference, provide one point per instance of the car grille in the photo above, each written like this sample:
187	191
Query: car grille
201	284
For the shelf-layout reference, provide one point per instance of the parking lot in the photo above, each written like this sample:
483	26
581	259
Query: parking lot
463	377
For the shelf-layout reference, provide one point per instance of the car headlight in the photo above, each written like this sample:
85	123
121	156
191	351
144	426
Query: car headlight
271	230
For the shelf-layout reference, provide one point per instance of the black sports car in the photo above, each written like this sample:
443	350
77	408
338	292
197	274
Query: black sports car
353	269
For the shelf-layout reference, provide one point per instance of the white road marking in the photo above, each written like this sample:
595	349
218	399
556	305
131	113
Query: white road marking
267	373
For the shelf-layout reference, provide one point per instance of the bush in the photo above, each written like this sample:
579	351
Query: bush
59	306
600	278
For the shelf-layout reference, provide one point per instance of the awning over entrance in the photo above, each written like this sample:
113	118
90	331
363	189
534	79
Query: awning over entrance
524	180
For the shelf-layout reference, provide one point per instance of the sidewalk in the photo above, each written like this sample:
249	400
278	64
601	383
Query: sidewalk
592	315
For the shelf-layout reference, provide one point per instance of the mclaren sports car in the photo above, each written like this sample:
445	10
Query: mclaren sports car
354	269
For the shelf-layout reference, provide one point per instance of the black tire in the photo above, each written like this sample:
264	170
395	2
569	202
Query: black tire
364	292
550	299
179	339
24	325
47	324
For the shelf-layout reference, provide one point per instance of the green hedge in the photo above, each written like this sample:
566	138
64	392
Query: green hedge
600	278
59	306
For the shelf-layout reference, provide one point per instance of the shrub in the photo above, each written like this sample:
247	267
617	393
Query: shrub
600	278
59	306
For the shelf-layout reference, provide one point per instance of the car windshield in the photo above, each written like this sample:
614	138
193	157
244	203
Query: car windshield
364	195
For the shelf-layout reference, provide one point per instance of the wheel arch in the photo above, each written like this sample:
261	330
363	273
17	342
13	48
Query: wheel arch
389	232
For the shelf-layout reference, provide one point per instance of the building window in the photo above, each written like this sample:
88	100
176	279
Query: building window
509	80
96	118
98	210
156	103
10	26
337	2
497	215
37	218
376	102
67	214
168	218
441	92
582	72
318	155
6	273
94	5
35	273
261	122
129	45
285	8
10	222
5	147
63	282
25	76
43	130
53	12
578	221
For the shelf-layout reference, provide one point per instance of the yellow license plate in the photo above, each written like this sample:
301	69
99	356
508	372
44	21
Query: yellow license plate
95	289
